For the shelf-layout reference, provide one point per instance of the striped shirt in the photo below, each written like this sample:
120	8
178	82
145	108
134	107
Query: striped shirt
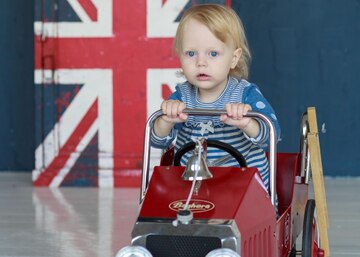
210	127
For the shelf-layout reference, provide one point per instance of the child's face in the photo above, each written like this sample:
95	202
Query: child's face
206	60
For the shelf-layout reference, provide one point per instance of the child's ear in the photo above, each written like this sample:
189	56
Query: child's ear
179	73
236	57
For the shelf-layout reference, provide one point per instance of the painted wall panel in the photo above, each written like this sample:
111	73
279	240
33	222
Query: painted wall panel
295	48
16	86
304	54
108	51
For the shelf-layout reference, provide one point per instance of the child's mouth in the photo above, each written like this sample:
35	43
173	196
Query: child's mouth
202	76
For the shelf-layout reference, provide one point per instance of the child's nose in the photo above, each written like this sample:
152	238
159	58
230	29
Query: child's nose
201	61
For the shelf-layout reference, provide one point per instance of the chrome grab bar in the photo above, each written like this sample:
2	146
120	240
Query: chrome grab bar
304	149
210	112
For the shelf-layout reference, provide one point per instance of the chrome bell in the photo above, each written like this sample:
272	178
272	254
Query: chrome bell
196	165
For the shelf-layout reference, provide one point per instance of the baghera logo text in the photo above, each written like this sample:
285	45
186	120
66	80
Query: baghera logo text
195	205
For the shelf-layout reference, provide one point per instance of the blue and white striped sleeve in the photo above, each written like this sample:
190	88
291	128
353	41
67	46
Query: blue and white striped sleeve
164	142
258	102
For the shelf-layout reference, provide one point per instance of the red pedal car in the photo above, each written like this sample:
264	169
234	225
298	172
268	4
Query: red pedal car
229	214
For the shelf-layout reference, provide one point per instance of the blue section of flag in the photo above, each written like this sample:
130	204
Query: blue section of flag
51	102
85	171
54	11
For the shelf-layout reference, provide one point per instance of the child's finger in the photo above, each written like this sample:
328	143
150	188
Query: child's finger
228	108
239	111
246	109
174	109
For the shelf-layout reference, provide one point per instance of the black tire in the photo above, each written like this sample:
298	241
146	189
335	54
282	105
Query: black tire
308	240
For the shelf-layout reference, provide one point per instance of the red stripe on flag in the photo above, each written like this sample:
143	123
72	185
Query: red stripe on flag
165	91
90	9
69	147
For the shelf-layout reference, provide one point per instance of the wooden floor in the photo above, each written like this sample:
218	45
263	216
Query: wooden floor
76	222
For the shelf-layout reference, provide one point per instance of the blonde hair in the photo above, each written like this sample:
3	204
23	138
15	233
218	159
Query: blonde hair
226	25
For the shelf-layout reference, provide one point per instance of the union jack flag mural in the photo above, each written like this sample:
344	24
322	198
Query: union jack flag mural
101	67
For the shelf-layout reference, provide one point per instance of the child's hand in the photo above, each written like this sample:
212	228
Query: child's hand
173	110
235	115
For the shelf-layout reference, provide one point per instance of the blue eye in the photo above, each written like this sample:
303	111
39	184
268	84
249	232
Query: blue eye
190	53
214	53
